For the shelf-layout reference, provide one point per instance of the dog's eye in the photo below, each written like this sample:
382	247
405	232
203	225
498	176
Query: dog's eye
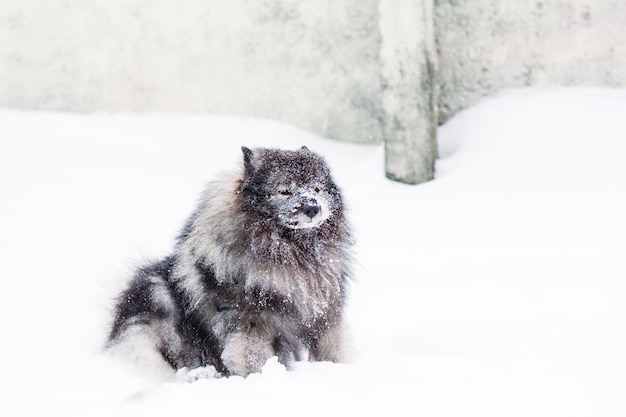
317	189
284	192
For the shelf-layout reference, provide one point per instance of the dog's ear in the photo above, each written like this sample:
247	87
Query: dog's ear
305	149
248	157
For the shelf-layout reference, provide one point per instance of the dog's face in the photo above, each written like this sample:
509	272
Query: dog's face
292	188
300	205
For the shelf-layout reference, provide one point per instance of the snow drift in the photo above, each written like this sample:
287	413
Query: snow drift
496	289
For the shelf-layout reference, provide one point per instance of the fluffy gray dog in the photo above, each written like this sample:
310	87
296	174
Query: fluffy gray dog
260	269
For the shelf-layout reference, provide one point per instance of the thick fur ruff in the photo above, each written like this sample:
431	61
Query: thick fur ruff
260	269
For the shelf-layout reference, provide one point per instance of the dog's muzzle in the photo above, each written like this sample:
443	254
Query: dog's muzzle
308	212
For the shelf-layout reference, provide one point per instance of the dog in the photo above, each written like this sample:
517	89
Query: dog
260	269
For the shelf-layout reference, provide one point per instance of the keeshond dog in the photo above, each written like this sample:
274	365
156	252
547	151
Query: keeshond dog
260	269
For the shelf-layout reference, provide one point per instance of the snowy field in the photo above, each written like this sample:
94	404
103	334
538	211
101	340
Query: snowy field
498	289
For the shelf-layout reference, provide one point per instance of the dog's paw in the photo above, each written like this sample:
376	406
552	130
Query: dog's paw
203	372
244	354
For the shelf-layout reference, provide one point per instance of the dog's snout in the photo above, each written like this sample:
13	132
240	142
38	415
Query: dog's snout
311	210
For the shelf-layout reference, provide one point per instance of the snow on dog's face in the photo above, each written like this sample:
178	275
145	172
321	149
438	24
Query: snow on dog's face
292	188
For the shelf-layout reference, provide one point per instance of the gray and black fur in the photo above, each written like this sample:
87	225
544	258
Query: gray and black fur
260	269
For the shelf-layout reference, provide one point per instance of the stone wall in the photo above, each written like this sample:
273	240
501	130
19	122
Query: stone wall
485	45
312	63
356	70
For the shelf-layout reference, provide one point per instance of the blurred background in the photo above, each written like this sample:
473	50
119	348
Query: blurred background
366	71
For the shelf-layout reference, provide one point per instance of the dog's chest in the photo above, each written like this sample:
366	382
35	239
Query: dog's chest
308	294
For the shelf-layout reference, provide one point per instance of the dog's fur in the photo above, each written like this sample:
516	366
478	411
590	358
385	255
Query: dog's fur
260	269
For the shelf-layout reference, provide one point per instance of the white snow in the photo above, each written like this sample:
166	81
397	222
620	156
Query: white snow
498	289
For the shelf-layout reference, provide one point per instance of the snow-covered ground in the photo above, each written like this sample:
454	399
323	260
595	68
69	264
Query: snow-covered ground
498	289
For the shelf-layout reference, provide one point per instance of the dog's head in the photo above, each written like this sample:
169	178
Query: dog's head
294	189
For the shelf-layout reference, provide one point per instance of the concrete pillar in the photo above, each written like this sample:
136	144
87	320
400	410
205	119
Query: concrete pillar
409	106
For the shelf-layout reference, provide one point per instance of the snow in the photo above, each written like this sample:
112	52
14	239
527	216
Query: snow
498	289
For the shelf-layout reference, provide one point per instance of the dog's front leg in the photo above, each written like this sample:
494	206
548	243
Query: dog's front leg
332	345
246	351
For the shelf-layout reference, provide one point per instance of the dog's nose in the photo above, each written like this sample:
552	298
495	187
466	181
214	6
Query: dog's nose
311	210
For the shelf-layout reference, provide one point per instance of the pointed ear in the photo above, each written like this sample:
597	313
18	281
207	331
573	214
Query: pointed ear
305	149
248	156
